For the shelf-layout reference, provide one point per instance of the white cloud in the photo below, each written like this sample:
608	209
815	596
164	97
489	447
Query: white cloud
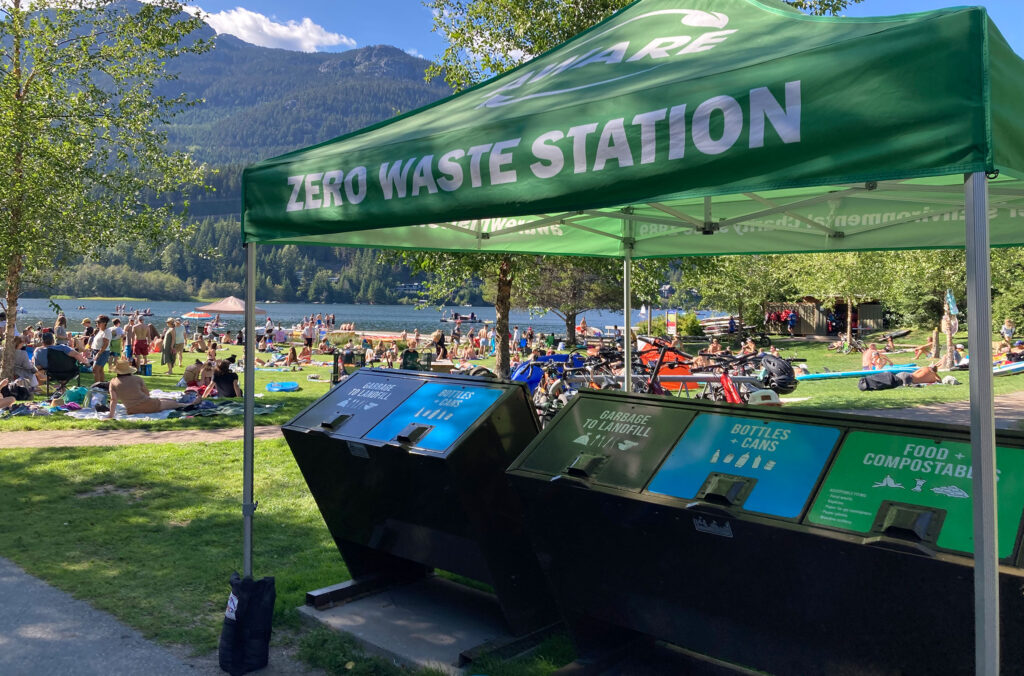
259	29
412	51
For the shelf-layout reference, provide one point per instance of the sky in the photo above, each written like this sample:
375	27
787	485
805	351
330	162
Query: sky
336	25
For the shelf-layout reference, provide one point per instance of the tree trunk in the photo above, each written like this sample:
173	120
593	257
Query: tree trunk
947	327
849	320
570	328
13	281
935	343
502	304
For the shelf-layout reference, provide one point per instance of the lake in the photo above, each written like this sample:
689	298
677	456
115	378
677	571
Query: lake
365	317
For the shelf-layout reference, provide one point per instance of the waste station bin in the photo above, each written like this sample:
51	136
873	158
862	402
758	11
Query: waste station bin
407	469
793	543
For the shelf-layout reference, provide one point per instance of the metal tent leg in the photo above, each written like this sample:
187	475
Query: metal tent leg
627	269
249	392
979	304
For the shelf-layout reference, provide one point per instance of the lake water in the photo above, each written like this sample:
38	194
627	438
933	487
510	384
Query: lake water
365	317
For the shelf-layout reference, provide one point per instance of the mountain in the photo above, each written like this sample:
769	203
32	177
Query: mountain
260	102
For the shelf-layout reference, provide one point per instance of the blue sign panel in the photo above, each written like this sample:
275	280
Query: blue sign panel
785	459
447	410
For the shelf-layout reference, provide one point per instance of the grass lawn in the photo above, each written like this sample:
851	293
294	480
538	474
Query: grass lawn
843	393
151	534
293	401
822	394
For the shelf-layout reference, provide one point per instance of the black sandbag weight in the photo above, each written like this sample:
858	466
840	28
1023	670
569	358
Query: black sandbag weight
245	638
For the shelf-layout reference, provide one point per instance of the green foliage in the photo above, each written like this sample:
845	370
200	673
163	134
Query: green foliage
488	37
740	285
82	130
689	325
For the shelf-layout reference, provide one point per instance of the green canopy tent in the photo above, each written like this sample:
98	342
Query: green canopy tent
697	127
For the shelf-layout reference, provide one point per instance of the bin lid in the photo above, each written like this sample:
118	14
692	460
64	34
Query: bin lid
607	440
356	405
439	413
873	468
782	460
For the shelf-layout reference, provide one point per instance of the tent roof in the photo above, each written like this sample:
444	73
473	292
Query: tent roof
683	127
231	305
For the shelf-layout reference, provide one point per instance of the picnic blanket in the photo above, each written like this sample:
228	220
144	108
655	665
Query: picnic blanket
122	414
225	407
206	408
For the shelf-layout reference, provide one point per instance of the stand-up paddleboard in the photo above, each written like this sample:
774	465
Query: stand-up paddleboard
902	368
998	368
1008	369
283	386
897	334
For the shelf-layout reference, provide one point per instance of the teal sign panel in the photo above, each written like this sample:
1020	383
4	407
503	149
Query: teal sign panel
448	410
786	459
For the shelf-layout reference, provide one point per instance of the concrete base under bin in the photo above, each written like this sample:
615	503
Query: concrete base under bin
427	623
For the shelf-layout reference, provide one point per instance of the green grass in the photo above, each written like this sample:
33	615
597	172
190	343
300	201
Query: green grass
293	402
822	394
844	394
151	533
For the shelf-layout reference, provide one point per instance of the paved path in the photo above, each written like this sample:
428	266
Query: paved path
54	438
1009	412
45	631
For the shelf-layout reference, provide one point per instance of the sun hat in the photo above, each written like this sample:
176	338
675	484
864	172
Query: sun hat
124	368
87	321
170	320
960	346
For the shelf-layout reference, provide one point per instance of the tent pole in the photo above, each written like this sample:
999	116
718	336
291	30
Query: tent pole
979	316
627	302
248	439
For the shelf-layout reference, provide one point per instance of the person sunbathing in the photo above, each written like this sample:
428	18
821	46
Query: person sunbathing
926	375
305	356
129	389
292	358
198	345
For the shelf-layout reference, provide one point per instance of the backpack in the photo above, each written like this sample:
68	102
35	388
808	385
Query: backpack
879	381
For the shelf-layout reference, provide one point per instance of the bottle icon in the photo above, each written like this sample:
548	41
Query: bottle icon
768	466
743	460
756	463
714	458
728	459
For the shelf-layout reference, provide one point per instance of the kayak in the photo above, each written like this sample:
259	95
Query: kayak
902	368
283	386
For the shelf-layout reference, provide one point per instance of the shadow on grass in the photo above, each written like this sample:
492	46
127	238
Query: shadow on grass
151	534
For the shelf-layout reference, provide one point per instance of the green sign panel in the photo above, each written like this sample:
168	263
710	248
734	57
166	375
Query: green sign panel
625	440
871	468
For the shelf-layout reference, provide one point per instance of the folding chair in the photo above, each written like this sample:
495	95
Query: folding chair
61	368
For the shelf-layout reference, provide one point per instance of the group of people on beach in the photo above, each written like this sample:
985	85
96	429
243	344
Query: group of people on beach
105	344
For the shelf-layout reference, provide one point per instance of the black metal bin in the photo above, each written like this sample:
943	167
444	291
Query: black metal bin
792	543
407	469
